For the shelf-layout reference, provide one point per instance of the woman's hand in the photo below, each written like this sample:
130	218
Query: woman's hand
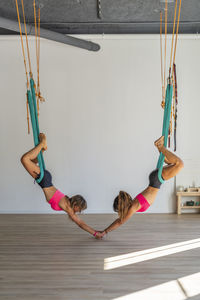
99	234
103	233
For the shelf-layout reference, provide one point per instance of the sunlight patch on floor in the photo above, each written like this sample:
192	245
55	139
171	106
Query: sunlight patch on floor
140	256
180	289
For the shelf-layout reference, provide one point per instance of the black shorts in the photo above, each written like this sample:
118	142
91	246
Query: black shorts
154	180
46	180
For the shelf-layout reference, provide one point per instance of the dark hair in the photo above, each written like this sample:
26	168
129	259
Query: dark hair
79	201
122	204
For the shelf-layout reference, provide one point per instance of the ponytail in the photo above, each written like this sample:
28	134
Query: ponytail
122	204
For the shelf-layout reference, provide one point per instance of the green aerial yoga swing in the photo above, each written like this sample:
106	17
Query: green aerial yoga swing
171	86
35	126
31	94
165	130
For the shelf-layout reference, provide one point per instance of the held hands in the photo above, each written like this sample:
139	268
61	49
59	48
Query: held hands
99	234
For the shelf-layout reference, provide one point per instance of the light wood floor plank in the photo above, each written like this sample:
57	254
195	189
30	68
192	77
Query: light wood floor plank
49	257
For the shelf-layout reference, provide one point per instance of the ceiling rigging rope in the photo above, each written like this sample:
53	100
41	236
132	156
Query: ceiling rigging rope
22	44
25	64
177	29
161	58
36	47
27	46
37	40
174	25
166	12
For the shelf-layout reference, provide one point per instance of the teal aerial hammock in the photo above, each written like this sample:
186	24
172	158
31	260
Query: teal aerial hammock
167	102
165	130
35	126
31	94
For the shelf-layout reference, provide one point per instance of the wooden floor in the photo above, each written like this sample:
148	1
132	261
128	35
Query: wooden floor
49	257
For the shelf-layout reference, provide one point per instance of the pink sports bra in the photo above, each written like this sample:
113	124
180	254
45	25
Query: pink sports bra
54	201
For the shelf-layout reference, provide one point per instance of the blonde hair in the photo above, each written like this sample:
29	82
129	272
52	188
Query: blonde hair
122	204
79	201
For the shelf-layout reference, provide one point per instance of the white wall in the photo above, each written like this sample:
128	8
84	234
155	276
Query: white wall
101	117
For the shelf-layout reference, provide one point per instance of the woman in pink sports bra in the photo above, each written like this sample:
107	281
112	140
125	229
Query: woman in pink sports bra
125	206
54	197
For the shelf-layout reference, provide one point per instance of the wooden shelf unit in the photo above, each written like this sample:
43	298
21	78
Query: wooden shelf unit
190	206
186	194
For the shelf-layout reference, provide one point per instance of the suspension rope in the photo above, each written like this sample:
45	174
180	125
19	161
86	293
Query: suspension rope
38	59
178	22
27	45
38	54
161	58
166	11
20	29
25	64
36	48
174	25
37	40
36	34
35	19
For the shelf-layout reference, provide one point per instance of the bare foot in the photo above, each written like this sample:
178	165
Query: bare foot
159	143
43	140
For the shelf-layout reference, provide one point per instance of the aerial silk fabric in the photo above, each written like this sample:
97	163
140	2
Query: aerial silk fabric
165	130
35	126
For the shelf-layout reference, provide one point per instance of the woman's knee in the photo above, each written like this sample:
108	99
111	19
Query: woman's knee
180	163
23	159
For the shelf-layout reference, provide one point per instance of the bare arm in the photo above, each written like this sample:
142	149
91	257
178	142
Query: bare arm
118	222
77	220
81	224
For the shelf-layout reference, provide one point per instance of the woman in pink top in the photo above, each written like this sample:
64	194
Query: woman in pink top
125	206
54	197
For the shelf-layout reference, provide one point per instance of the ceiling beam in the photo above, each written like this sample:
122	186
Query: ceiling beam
192	27
50	35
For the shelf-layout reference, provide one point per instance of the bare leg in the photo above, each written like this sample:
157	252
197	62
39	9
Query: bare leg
29	159
175	164
35	160
167	161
